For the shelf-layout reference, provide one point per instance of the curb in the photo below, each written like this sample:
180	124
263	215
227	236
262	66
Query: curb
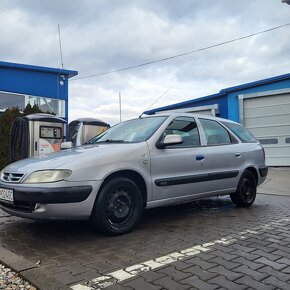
30	272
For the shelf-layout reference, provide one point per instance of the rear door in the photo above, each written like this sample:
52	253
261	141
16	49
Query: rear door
224	156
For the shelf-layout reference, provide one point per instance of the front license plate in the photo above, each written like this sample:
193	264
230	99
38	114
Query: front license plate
6	194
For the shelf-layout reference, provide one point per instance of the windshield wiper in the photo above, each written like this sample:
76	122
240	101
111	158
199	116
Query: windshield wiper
111	141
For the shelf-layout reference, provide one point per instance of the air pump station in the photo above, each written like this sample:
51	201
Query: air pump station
40	134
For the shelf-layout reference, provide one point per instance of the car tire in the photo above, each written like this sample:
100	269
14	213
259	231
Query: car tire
118	208
246	190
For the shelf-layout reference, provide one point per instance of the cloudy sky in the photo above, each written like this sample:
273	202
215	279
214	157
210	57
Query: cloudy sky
104	35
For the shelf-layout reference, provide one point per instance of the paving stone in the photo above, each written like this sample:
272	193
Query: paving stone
276	283
227	264
246	255
284	260
282	253
251	264
223	282
201	273
225	256
67	278
269	256
257	275
151	276
274	265
286	270
242	248
231	275
250	282
174	273
199	284
140	283
118	287
179	265
169	284
201	263
278	274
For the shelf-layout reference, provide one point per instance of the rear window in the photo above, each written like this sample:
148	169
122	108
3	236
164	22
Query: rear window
244	134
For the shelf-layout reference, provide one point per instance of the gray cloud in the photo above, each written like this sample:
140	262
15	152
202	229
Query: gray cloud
103	35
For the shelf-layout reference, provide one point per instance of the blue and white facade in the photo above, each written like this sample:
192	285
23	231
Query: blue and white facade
21	84
262	106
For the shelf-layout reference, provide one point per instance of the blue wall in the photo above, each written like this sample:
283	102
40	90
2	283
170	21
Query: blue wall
35	81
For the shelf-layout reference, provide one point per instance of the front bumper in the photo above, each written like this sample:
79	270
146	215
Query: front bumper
67	200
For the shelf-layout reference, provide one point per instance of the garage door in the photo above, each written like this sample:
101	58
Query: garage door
268	118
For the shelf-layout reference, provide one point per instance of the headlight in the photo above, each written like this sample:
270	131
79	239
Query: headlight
43	176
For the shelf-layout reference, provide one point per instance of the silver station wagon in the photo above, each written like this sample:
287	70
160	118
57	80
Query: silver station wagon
142	163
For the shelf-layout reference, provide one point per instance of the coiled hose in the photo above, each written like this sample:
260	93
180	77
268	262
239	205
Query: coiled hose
19	139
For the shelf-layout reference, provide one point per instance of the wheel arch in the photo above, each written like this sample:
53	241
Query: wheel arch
254	171
130	174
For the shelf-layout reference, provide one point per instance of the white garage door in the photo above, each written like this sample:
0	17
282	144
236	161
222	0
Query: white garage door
268	118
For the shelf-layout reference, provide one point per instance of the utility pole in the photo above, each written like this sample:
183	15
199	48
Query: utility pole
120	106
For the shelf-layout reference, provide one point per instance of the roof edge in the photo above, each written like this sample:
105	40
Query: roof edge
256	83
69	73
174	106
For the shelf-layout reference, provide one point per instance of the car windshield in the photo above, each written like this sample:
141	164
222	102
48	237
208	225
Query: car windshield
131	131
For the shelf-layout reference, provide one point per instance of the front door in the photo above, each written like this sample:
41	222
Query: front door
177	170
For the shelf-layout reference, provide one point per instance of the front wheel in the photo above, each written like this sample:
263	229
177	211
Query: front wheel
118	207
246	190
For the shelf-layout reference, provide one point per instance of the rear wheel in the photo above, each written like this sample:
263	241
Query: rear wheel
118	207
246	190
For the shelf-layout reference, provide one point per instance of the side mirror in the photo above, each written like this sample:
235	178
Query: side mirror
66	145
172	139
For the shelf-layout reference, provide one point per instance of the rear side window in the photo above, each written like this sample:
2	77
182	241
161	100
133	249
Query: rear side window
185	127
244	134
215	133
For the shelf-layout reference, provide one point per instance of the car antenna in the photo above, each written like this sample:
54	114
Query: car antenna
163	94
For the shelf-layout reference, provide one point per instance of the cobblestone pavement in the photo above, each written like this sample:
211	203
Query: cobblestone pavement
208	244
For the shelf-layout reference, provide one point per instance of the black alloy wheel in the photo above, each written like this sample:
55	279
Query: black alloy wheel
118	207
246	190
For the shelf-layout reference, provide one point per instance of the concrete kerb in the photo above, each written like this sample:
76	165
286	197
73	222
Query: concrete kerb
30	272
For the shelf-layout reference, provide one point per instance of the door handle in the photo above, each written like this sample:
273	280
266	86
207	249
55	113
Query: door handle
238	155
199	157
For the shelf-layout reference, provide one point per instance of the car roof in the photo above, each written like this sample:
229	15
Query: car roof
200	116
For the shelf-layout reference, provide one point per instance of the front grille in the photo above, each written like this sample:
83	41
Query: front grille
11	177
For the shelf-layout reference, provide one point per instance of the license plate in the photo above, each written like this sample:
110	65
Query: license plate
6	194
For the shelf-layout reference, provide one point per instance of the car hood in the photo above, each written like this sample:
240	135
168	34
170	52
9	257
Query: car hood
86	153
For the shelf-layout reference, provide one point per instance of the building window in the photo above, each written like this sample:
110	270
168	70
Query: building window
47	105
9	100
54	106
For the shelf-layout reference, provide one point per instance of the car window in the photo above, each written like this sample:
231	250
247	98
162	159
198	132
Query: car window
215	133
132	131
244	134
185	127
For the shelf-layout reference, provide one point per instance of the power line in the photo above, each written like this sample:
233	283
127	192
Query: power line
182	54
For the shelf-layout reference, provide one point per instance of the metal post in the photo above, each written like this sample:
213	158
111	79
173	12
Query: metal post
120	106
